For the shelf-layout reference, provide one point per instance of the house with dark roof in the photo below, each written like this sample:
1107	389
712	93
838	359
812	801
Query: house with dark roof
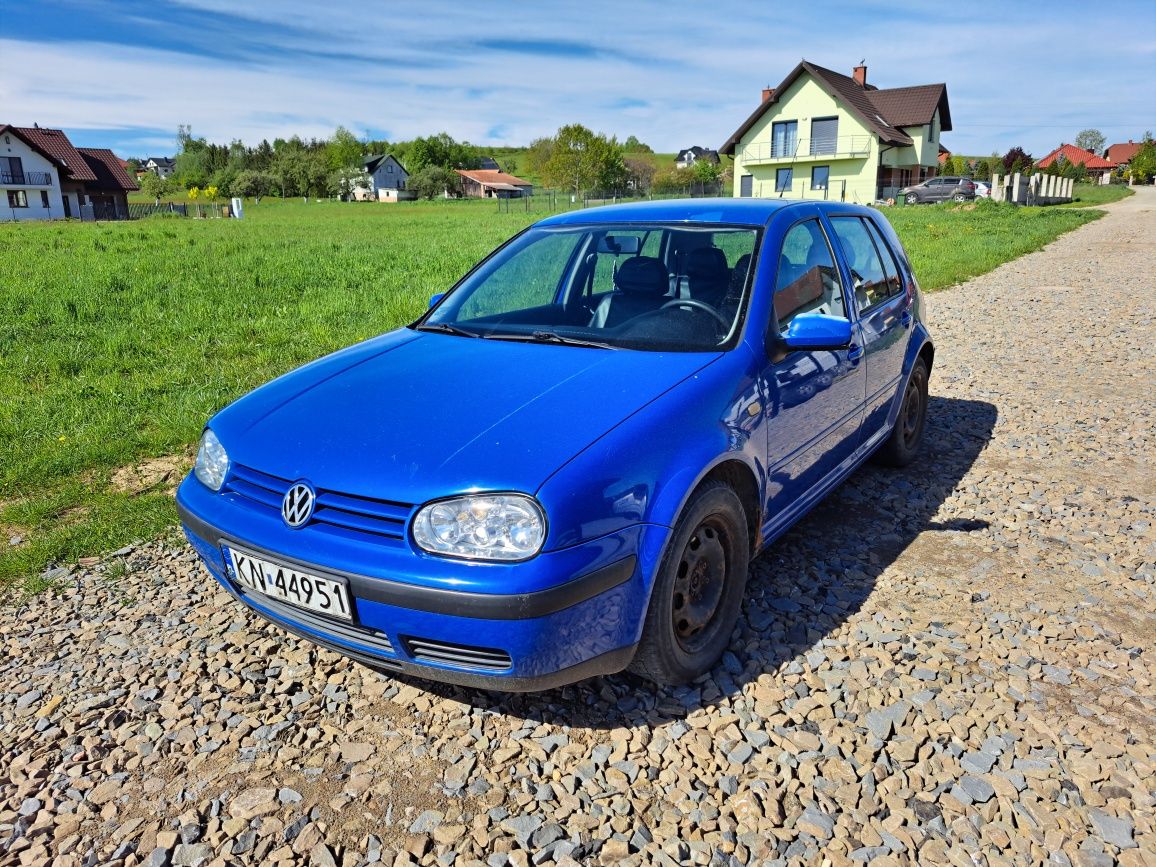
162	167
43	177
822	134
689	156
489	184
387	181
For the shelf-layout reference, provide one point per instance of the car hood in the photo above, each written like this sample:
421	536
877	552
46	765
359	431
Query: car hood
413	416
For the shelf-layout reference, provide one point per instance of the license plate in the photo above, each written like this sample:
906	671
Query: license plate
311	592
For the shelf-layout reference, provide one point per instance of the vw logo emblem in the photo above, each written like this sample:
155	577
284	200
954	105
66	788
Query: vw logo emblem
297	507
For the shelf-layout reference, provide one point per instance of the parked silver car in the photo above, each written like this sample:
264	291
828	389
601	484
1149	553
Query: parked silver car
939	190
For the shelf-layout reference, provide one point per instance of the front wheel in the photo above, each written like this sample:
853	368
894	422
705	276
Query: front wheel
699	589
900	448
912	199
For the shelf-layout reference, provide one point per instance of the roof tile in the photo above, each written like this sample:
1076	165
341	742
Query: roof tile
55	144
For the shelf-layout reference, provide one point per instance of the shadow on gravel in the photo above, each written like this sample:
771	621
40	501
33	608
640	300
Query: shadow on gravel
800	589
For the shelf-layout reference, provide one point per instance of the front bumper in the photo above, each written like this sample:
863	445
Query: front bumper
578	614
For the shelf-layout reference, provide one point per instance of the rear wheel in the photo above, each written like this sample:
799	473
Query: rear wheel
912	199
699	589
900	448
960	197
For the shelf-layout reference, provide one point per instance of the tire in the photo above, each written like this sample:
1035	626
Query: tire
911	199
705	562
901	446
959	197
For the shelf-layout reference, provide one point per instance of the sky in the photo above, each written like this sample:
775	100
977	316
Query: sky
125	74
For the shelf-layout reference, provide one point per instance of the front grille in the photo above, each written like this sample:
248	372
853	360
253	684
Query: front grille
370	639
345	515
486	658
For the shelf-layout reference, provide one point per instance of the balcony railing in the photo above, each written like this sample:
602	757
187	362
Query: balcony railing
26	179
807	149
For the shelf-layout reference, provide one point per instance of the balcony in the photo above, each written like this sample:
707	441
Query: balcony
806	150
26	179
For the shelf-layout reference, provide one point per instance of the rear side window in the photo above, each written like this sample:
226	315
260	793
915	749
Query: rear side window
868	275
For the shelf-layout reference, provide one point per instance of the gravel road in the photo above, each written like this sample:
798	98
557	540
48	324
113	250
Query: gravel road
953	664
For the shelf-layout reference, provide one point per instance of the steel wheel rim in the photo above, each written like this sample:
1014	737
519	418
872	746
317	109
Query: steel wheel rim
911	415
699	584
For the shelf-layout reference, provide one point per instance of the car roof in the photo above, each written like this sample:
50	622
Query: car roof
740	211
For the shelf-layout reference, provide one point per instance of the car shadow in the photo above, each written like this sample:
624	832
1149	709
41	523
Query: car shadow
800	589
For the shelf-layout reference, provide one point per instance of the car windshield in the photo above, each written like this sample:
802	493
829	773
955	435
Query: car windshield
658	287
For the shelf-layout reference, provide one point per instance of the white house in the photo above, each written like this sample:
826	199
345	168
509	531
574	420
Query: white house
387	181
29	179
162	167
43	177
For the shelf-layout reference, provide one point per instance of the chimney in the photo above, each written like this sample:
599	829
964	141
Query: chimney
768	93
859	73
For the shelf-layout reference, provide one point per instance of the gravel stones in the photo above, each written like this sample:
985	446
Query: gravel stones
949	665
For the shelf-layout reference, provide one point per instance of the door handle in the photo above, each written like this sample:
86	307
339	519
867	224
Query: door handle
906	318
854	353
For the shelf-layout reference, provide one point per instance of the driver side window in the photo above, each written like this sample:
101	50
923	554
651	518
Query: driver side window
807	279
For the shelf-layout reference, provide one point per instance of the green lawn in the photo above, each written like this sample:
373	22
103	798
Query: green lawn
1085	195
118	340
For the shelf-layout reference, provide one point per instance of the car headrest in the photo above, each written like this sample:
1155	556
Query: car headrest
739	277
642	275
706	262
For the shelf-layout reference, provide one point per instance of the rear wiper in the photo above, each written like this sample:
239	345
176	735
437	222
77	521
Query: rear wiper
446	328
550	337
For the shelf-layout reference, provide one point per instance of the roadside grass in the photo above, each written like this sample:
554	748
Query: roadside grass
1090	195
950	243
118	340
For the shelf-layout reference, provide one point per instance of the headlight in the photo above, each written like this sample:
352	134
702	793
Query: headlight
485	527
212	462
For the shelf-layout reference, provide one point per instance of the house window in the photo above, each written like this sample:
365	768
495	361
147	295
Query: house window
44	198
824	135
746	186
17	199
11	170
389	168
784	136
819	177
783	178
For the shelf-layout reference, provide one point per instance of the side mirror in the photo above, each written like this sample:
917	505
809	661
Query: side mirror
434	299
818	331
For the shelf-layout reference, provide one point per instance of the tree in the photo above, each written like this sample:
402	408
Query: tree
344	181
1142	167
584	160
1091	140
432	181
639	172
343	151
443	151
1017	160
538	155
155	186
633	146
671	180
253	183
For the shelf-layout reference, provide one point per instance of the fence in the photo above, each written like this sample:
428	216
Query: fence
139	210
1037	189
544	201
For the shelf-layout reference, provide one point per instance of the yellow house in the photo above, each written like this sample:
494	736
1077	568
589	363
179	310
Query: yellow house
821	134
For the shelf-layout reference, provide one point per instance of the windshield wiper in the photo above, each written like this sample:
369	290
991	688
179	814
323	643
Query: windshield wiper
446	328
550	337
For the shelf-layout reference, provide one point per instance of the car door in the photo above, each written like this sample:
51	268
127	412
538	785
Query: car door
814	399
883	300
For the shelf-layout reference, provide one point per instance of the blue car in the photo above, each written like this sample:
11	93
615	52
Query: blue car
565	466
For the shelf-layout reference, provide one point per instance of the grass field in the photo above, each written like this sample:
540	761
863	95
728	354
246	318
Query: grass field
118	340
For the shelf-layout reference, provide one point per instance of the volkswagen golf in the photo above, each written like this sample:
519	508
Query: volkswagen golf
564	466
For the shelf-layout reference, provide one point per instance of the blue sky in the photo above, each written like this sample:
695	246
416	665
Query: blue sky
124	74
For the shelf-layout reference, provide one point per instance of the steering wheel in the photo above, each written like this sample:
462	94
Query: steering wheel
697	305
